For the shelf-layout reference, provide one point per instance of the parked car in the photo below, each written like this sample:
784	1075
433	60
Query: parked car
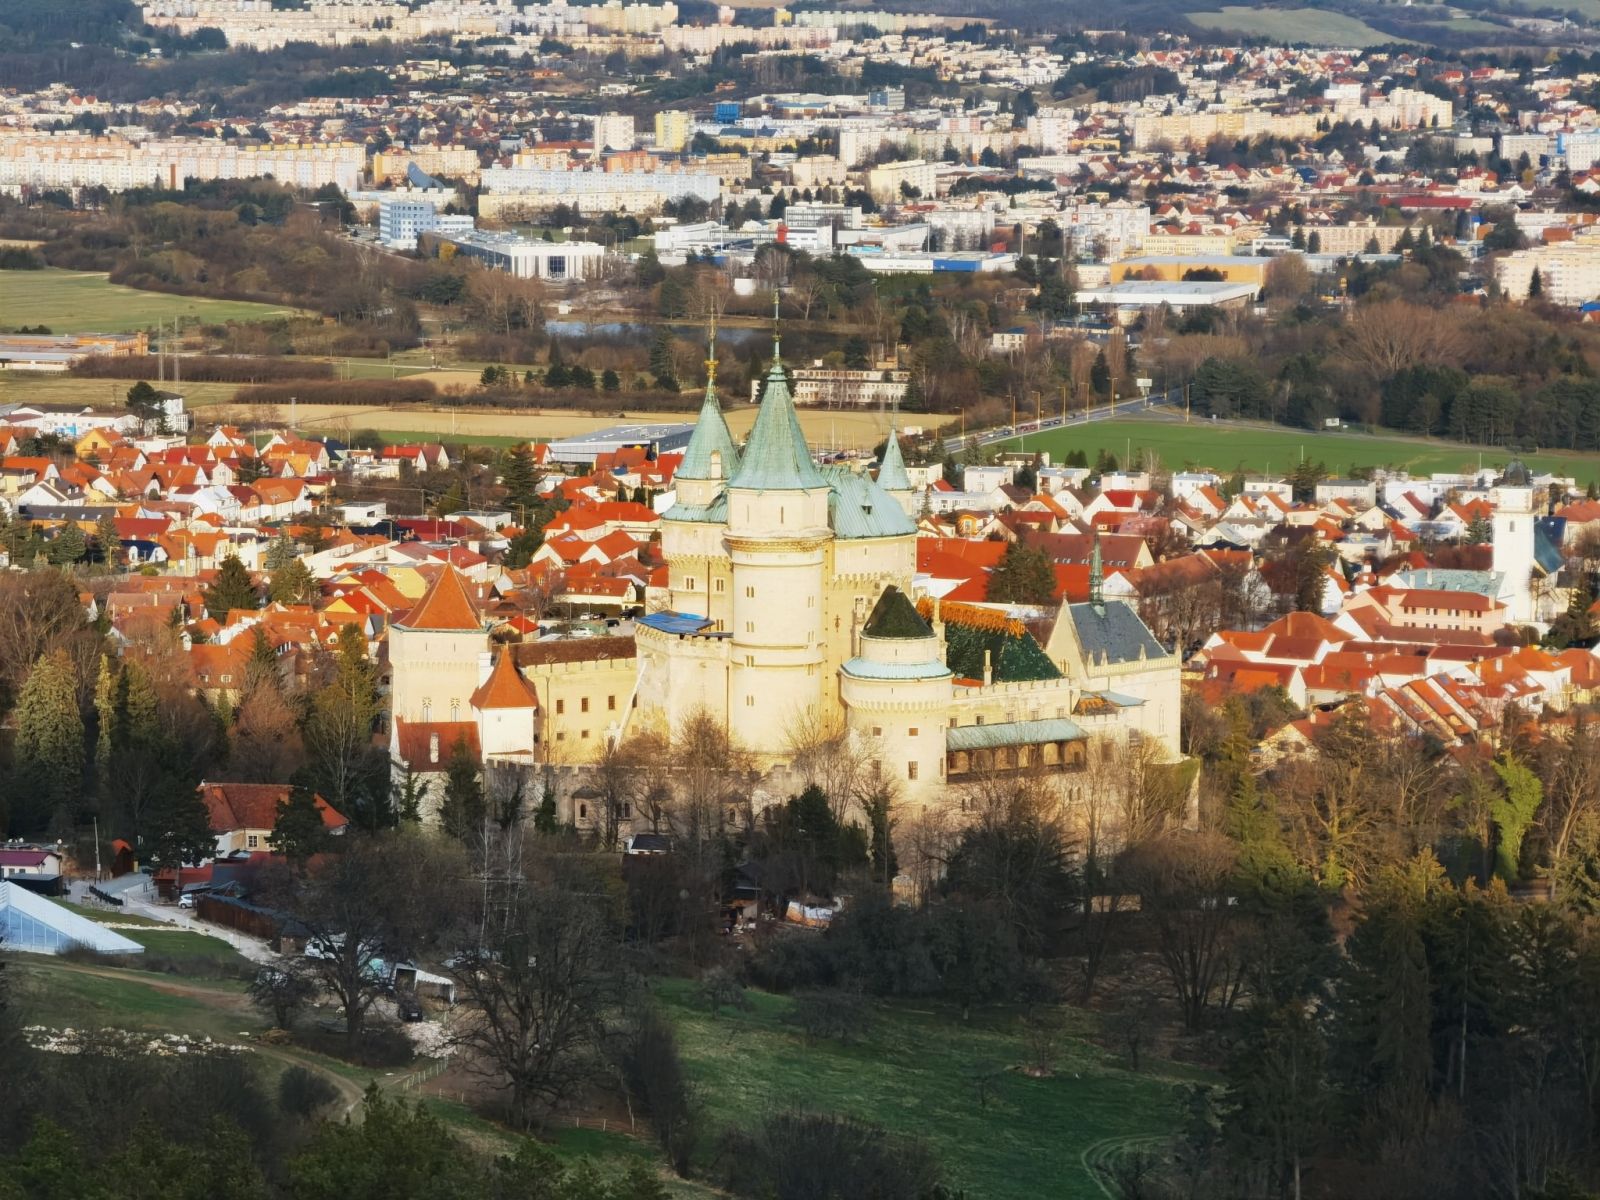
186	900
407	1004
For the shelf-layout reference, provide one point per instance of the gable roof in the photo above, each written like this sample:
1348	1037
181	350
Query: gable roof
233	806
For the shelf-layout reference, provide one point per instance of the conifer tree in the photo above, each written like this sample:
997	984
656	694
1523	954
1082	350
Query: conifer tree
1022	576
293	584
231	589
298	832
520	477
48	748
461	811
107	546
281	552
69	546
178	828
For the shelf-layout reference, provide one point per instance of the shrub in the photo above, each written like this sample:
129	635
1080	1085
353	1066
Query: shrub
303	1093
830	1013
375	1046
804	1155
653	1074
791	961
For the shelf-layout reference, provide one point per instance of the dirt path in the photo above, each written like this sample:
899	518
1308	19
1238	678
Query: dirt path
350	1092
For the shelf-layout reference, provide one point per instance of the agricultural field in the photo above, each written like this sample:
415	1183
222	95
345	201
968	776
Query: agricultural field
1224	447
916	1072
1293	26
87	302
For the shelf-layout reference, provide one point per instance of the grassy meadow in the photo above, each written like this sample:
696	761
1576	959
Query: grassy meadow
1268	448
917	1072
88	302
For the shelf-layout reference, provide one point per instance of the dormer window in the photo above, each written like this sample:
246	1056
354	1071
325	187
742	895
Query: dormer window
716	464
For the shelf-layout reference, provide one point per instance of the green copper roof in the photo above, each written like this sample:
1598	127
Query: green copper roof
715	513
710	437
859	508
894	616
776	458
892	475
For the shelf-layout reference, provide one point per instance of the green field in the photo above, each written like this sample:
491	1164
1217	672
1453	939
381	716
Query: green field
1274	449
55	994
914	1074
87	302
1293	26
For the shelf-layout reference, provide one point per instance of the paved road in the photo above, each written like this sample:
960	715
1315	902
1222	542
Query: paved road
136	905
1123	408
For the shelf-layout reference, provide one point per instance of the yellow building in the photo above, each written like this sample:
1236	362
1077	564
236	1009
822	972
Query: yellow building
674	128
1174	268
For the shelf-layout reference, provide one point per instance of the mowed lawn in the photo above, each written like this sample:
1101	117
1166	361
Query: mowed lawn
87	302
915	1074
1294	26
1266	448
57	995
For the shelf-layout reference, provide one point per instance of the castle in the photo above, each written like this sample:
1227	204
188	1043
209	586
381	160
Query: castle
791	613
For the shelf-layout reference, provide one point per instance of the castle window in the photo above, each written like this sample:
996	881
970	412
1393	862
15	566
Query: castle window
750	593
749	660
584	734
877	731
720	584
252	841
583	704
749	626
911	770
611	704
626	812
912	732
561	707
689	583
749	701
583	812
562	736
979	720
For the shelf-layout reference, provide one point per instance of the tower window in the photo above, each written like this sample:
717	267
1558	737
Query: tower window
689	583
561	707
750	593
611	703
912	732
583	704
911	770
720	584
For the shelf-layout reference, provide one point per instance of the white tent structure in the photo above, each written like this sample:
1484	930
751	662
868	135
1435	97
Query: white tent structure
39	926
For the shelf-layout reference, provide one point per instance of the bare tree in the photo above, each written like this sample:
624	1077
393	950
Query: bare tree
538	989
1383	339
1184	881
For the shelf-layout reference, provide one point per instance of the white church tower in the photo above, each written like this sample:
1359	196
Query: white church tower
777	535
1514	519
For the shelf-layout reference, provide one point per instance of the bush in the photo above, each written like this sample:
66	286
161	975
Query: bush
653	1074
303	1093
374	1046
374	392
798	1156
791	961
719	988
830	1013
201	369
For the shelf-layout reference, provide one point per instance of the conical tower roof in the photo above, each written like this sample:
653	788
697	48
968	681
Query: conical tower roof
711	443
892	475
894	616
445	606
776	458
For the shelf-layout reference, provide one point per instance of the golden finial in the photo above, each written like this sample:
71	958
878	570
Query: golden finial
711	352
776	355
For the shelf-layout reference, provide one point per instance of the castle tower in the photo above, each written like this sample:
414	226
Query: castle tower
896	691
1513	522
777	537
892	476
434	653
507	709
691	534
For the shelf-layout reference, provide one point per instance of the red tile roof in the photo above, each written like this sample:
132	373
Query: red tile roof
255	806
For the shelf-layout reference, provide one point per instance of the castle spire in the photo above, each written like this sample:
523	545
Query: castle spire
1097	577
777	352
711	355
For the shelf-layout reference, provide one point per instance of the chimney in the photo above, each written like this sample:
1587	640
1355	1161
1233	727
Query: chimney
988	667
433	747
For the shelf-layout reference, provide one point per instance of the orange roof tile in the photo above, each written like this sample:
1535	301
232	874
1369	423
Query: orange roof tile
445	605
505	687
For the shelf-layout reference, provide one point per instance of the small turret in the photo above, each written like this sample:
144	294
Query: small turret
1097	578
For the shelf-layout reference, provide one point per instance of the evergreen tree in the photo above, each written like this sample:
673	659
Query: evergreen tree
108	714
1513	812
48	749
462	809
662	365
1100	374
107	546
231	589
409	798
179	829
519	475
545	818
293	584
263	665
344	766
609	381
1536	284
1024	575
69	545
452	501
281	551
299	832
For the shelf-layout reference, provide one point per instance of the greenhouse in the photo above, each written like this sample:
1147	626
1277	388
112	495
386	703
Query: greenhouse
39	926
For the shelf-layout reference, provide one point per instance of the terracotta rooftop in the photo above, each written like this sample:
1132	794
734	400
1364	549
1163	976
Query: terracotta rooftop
505	687
445	605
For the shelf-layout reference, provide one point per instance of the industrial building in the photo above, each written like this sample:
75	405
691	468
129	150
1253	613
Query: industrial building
656	440
557	262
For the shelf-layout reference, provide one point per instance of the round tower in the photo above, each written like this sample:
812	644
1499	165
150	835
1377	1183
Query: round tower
896	690
691	530
777	534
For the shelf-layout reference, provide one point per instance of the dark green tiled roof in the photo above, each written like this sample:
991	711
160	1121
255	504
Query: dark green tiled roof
1016	656
893	616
